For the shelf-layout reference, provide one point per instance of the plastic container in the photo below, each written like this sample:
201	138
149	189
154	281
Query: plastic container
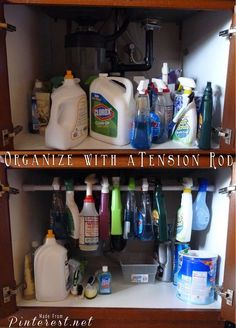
177	248
51	271
138	268
72	211
196	277
104	281
104	211
130	212
112	109
68	124
201	213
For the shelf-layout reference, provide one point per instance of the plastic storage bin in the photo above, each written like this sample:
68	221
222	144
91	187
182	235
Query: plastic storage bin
138	268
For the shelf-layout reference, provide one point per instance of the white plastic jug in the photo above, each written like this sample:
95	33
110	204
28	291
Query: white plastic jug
51	271
68	124
112	109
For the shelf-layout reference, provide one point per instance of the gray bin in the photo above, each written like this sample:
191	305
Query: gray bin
138	268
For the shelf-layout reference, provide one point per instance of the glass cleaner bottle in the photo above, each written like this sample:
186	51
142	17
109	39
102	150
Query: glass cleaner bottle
141	131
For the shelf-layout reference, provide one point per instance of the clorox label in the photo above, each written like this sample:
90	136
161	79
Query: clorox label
104	116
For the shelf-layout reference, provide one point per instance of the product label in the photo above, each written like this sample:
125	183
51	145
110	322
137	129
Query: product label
104	117
183	129
105	284
43	107
139	278
156	125
140	223
88	230
81	123
35	115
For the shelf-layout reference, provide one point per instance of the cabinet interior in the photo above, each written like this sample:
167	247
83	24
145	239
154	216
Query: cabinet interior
29	217
187	40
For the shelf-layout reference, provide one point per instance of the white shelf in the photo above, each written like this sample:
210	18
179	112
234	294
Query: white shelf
27	141
147	296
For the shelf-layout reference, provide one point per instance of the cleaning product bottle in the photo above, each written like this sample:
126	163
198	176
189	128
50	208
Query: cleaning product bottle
205	118
68	124
159	214
116	215
201	214
89	219
130	212
112	109
104	212
72	211
165	72
145	221
57	212
185	213
51	271
104	281
158	113
183	127
141	131
29	286
34	123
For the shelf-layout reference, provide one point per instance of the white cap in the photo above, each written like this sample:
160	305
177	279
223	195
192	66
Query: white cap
105	185
90	180
103	74
187	83
187	182
56	183
142	87
145	184
159	84
165	69
104	268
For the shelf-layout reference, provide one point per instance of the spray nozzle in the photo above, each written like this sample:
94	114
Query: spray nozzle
187	183
90	180
143	86
159	84
116	181
131	185
56	185
105	185
187	83
145	184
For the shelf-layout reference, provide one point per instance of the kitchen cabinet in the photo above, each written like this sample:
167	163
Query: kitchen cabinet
21	156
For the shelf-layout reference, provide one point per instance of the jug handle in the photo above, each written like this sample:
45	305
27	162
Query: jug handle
128	86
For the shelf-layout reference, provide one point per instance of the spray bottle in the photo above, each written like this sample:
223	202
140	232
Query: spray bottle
185	213
159	214
183	127
72	211
158	113
116	216
104	212
205	118
141	131
201	214
145	222
89	219
130	212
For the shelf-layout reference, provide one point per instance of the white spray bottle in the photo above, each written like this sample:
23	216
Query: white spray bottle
89	219
185	213
184	124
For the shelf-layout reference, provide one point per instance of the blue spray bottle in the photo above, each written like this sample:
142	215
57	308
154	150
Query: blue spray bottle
201	214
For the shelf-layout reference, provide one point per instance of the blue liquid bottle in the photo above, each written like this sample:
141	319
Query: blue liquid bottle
141	133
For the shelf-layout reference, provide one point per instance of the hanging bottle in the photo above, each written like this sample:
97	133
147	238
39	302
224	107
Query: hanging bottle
104	212
72	211
159	214
201	214
130	212
145	222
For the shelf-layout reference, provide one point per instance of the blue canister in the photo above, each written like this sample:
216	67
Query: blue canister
178	247
196	277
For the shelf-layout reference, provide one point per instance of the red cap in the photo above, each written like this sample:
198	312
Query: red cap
89	199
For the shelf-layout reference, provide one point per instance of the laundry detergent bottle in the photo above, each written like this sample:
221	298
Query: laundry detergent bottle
112	109
68	124
51	271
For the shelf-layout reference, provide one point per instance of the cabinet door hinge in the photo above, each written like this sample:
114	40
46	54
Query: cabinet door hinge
227	295
227	190
8	293
10	190
224	133
8	135
228	33
7	27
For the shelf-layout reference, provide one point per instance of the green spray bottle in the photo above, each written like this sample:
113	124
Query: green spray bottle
116	216
205	118
159	214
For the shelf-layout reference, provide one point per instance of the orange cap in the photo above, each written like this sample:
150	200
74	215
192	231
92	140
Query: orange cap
50	234
69	75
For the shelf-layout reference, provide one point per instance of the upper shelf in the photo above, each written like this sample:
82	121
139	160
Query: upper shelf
176	4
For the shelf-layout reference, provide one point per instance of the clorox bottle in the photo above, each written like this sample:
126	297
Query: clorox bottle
112	109
68	124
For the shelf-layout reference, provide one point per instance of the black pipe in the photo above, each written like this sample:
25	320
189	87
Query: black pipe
148	60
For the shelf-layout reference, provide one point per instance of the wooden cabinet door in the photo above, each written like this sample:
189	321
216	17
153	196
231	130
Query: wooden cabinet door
227	311
229	117
6	258
5	109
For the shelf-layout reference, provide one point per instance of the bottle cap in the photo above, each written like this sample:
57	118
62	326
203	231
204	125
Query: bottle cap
50	234
69	184
142	87
104	268
145	184
131	185
203	184
103	74
105	185
56	183
69	75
